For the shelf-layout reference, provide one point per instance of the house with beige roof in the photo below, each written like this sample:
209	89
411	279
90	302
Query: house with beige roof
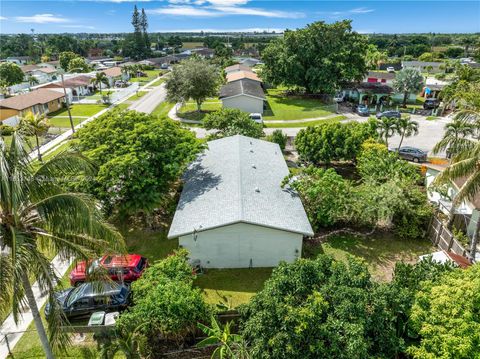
241	75
41	101
237	67
114	74
80	85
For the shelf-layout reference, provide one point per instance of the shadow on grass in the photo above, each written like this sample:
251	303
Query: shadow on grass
249	280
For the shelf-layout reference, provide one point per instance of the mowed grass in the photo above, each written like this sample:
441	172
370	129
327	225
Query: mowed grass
380	252
282	107
151	75
137	96
192	45
162	109
304	123
87	110
64	122
189	110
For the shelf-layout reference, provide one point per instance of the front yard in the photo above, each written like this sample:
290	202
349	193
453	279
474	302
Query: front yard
189	110
285	108
151	75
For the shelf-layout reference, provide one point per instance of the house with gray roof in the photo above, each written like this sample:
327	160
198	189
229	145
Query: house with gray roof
245	94
233	211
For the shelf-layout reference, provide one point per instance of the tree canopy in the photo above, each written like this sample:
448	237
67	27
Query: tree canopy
194	79
319	58
230	122
78	64
10	74
65	57
406	81
139	157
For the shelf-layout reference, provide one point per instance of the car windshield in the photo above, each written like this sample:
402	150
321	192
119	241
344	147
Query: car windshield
76	294
93	266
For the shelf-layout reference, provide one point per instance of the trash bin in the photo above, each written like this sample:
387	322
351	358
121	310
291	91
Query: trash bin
96	319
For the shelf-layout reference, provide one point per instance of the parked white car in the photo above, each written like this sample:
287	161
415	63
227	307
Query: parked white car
257	117
339	97
390	69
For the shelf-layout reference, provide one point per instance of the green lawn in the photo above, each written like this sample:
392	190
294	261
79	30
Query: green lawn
304	124
151	75
281	107
162	109
79	110
137	95
65	121
380	252
189	110
157	83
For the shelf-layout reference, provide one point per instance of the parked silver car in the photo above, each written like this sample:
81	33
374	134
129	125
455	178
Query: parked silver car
411	154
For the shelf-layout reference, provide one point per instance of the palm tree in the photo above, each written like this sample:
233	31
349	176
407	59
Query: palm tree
32	80
230	345
407	81
456	137
406	127
37	213
33	124
386	128
100	78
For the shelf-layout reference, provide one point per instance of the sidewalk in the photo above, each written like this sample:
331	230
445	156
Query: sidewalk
26	318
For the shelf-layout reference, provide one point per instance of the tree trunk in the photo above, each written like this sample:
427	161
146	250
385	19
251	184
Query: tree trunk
401	140
405	95
36	317
199	106
473	247
100	87
38	148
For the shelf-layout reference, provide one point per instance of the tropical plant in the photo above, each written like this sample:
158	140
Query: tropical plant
99	79
279	138
127	342
65	58
32	80
373	57
78	64
406	81
456	137
387	127
36	213
34	124
406	127
10	74
228	343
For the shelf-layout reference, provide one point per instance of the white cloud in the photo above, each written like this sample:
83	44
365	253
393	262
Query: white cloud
215	8
3	18
361	10
42	19
184	11
79	27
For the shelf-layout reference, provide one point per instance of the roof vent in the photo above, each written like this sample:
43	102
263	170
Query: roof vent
251	150
257	189
253	165
251	142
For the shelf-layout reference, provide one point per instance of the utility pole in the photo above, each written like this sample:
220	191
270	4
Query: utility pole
67	103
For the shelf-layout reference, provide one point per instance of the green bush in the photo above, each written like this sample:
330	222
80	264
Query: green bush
279	138
6	130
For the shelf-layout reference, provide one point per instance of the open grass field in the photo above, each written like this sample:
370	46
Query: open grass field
162	109
281	107
64	121
151	75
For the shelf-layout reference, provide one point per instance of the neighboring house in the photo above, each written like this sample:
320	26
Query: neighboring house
80	85
246	95
237	67
447	257
250	62
146	63
240	75
27	69
423	66
45	74
205	53
435	86
19	60
233	211
369	93
114	74
55	64
469	210
40	101
164	60
380	76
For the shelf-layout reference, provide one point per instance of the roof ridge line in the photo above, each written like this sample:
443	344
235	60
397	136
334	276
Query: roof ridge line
240	176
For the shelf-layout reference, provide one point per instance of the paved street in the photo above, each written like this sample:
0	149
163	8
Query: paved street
151	100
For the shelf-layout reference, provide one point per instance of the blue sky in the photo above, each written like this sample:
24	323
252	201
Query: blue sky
238	15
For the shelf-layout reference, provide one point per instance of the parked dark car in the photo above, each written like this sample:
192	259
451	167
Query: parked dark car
362	110
430	104
125	267
80	302
411	154
389	114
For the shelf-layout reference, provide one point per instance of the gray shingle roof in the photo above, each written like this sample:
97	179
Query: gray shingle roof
242	87
238	179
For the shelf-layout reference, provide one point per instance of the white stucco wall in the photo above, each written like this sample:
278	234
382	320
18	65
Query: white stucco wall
244	103
243	245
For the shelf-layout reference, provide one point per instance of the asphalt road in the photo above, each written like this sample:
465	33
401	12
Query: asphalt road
151	100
